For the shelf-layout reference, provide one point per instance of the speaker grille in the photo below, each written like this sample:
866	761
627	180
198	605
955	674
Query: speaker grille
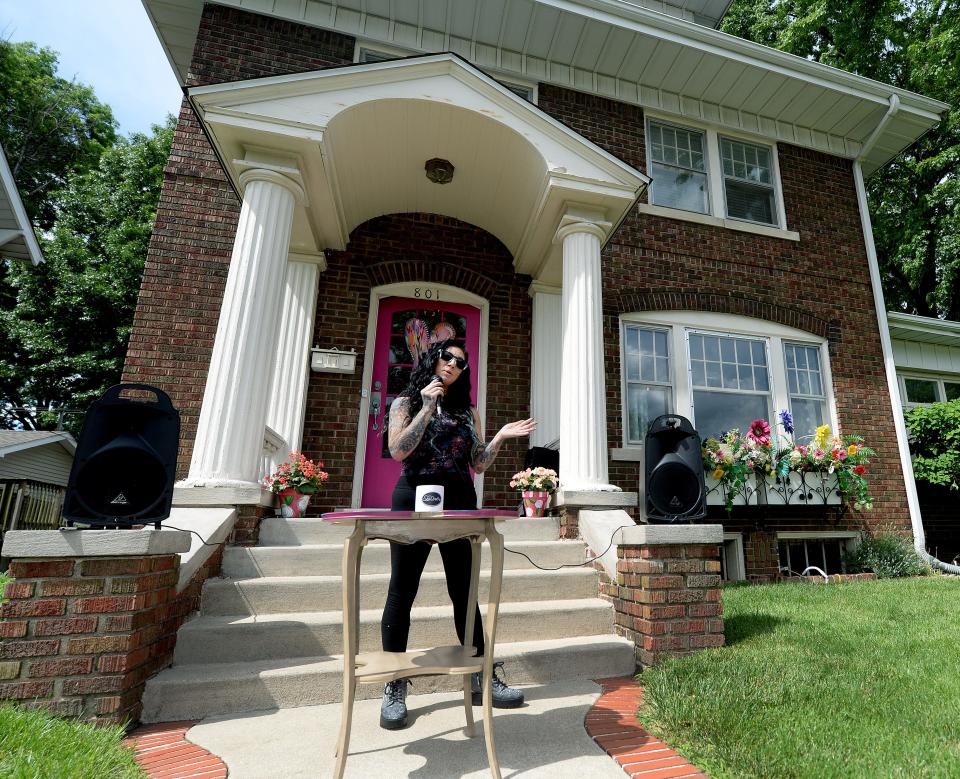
673	488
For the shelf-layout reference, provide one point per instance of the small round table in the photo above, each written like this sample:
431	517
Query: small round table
408	527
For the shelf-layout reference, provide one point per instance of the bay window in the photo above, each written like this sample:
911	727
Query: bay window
721	371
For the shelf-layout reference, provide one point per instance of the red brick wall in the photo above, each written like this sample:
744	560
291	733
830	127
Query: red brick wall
820	284
432	249
189	255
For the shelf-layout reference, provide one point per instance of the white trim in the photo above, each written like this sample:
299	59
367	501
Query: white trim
797	535
404	289
938	378
19	212
64	439
684	321
741	571
709	219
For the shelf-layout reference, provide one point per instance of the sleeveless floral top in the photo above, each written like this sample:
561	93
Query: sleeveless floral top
444	450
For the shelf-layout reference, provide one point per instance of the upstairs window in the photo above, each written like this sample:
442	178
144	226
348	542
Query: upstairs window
678	168
748	181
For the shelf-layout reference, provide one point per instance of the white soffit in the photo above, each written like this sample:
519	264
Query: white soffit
620	50
361	134
17	239
923	329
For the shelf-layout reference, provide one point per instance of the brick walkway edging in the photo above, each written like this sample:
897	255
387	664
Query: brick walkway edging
163	751
612	723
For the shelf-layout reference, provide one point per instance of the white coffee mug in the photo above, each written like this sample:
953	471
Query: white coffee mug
429	498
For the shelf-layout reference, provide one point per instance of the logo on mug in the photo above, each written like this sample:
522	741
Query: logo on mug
432	498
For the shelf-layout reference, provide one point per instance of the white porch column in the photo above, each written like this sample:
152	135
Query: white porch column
291	365
229	439
583	401
545	360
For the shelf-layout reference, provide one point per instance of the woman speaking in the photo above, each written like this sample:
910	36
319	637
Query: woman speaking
435	432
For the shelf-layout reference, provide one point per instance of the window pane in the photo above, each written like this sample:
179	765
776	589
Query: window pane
833	558
760	379
921	390
699	373
808	415
644	404
660	343
678	188
743	351
730	376
696	347
746	161
745	373
748	201
711	347
717	412
647	369
677	146
951	389
663	369
728	350
713	375
645	340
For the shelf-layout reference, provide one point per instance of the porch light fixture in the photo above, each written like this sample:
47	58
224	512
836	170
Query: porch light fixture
439	171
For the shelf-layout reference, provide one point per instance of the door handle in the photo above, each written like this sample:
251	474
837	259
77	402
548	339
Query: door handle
376	404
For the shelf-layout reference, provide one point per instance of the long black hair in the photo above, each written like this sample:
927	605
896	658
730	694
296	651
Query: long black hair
457	399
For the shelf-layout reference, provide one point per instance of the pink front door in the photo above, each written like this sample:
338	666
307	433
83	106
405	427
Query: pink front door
405	328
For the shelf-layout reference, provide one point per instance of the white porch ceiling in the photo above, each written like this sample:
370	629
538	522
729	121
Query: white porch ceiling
359	138
617	49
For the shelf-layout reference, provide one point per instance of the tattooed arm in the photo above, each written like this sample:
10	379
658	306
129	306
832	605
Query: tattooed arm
484	454
404	434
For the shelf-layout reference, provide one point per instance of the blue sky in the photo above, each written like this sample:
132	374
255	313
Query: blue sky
106	44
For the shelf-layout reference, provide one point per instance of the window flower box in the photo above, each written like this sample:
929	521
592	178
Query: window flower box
796	489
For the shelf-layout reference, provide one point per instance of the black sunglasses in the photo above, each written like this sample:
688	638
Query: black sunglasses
446	356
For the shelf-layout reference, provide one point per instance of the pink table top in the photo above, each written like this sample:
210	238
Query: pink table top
387	516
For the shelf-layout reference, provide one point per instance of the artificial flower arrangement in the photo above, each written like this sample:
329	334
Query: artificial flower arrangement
733	458
294	482
536	484
535	480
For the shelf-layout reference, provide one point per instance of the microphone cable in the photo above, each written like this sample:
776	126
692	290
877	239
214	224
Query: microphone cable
571	565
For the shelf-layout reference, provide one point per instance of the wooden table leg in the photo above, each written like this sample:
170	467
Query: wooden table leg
350	570
490	631
469	627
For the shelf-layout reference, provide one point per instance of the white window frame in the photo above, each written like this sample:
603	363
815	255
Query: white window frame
938	380
717	198
849	539
706	160
680	322
735	568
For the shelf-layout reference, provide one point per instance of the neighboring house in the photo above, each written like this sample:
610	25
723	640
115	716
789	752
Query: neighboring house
927	356
619	209
34	471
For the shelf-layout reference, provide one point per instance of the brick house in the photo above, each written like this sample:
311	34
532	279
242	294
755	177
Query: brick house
645	216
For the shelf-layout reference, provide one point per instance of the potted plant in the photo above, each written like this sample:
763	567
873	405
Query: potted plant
536	486
294	482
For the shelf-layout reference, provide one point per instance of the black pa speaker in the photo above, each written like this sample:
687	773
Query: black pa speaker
126	460
673	471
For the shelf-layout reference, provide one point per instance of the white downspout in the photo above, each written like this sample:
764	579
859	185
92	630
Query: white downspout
913	502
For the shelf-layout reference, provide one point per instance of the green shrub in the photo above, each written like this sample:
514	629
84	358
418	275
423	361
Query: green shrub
935	443
888	555
4	578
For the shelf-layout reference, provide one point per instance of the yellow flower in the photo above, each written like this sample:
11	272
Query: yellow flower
718	474
852	449
822	436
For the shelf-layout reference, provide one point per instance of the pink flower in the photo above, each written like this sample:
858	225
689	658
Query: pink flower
759	432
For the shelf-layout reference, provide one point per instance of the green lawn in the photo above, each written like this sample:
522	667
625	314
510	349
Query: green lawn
35	745
850	680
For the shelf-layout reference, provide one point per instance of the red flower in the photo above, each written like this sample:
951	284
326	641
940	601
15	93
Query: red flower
859	470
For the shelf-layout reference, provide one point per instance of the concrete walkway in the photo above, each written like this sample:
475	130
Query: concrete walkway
544	738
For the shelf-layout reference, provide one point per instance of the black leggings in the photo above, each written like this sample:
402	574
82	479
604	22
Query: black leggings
406	566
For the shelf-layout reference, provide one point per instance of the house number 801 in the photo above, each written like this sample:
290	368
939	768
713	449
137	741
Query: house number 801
426	293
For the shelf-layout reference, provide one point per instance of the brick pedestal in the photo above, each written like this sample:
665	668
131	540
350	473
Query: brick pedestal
667	590
90	615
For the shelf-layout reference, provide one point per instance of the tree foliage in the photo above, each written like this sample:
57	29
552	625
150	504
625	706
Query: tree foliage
49	127
67	331
935	443
915	200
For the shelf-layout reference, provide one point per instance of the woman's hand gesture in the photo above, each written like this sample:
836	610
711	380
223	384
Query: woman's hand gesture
518	429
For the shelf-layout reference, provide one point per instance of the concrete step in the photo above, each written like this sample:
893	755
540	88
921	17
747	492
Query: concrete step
188	692
324	559
279	594
311	531
309	634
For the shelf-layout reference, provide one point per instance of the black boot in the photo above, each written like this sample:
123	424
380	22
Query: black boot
503	697
393	708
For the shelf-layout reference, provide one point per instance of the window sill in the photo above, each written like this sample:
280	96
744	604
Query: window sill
715	221
631	454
